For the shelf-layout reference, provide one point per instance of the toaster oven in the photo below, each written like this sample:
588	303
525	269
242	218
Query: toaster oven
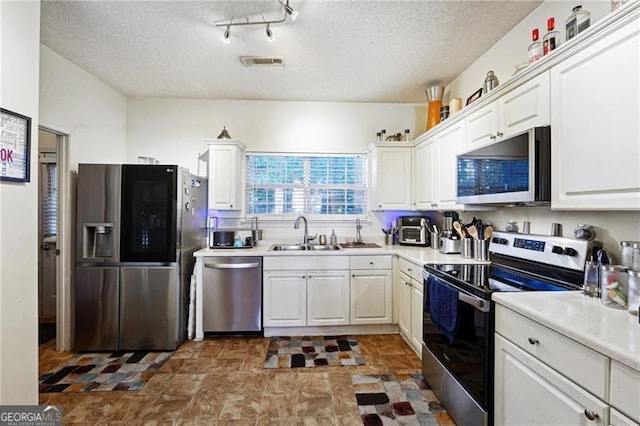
413	231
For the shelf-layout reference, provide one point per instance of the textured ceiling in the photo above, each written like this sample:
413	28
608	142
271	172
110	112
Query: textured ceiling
358	51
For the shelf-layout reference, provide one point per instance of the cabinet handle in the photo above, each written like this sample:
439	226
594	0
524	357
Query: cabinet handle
499	134
533	341
303	277
409	270
492	137
591	415
371	263
353	276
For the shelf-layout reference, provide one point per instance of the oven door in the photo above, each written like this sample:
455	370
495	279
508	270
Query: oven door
466	351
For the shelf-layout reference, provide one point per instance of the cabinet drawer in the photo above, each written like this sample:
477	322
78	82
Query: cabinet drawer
584	366
370	262
625	390
304	262
411	269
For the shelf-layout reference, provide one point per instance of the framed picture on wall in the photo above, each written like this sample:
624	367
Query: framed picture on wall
476	95
15	140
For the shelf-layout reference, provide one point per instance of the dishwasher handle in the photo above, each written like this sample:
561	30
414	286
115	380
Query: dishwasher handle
232	265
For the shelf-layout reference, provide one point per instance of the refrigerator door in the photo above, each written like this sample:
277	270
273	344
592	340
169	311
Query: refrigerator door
149	213
98	213
97	297
149	308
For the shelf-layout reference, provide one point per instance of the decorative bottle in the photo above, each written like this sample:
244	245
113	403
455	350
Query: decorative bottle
551	39
577	22
535	48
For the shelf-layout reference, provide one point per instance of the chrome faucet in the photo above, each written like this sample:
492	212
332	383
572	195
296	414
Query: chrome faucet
306	238
358	228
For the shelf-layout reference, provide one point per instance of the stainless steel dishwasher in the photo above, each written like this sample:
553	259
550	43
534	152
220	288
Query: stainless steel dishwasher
232	295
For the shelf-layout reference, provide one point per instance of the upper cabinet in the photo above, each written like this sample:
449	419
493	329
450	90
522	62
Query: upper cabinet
520	109
390	176
224	165
435	165
595	124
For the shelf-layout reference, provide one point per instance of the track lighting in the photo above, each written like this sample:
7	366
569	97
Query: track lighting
270	36
225	37
287	12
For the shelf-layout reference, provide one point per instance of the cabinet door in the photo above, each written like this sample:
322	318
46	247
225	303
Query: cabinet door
404	316
371	296
423	178
225	175
525	107
528	392
416	316
285	296
595	133
482	126
391	178
619	419
328	298
449	145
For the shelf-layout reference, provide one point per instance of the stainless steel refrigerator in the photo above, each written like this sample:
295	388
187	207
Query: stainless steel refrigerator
137	229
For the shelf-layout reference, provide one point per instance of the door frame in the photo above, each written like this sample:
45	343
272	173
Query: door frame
66	218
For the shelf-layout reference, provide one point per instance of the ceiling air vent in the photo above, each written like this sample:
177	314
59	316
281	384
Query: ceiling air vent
262	61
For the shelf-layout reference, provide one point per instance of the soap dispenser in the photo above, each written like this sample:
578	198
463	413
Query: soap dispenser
238	242
333	239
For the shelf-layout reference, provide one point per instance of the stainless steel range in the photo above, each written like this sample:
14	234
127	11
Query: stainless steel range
458	321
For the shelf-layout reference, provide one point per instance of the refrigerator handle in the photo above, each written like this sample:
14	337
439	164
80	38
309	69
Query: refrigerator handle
231	265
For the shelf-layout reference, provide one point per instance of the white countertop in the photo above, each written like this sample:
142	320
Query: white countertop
419	255
612	332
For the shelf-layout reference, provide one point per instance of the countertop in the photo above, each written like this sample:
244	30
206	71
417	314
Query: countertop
612	332
419	255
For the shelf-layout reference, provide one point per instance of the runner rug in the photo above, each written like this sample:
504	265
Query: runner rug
405	399
312	351
91	372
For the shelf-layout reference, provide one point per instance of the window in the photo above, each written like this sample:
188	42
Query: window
306	184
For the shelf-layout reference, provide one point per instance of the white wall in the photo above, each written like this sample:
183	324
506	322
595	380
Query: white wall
172	130
77	103
18	212
512	49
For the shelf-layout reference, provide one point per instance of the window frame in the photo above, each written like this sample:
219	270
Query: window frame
314	217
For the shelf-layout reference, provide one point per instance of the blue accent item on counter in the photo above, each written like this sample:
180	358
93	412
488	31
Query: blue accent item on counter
443	306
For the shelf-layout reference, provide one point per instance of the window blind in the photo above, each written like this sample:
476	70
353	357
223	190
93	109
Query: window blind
50	200
306	184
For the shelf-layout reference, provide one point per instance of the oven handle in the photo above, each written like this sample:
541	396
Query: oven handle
476	302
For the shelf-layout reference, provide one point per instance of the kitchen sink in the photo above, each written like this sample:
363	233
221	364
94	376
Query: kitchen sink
301	247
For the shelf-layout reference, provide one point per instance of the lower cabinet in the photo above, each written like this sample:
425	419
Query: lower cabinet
410	291
529	392
331	291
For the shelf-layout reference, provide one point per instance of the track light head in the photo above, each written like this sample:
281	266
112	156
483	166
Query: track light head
225	37
290	11
270	35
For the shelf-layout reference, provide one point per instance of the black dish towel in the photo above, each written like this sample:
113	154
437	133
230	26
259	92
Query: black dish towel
443	306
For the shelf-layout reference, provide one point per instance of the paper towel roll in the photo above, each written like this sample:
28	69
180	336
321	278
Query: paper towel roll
455	105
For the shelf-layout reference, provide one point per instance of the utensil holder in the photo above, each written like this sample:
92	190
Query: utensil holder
466	248
481	250
388	239
435	241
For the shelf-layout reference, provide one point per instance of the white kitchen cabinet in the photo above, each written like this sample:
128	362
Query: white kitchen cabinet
436	166
410	292
224	166
328	298
390	176
616	418
529	392
625	390
424	161
284	298
520	109
371	290
595	130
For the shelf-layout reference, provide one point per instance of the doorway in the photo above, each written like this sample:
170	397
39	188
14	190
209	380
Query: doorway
48	212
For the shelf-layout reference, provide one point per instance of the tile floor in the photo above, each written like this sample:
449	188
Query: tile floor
220	381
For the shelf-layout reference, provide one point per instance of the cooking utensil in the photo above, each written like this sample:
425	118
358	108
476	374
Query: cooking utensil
473	231
488	231
458	227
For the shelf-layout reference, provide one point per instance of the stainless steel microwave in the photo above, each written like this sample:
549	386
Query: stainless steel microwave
515	170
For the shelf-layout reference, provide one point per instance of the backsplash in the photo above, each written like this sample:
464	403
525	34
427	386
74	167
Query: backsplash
610	227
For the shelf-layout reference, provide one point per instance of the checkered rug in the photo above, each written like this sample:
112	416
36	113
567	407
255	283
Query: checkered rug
312	351
398	400
90	372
